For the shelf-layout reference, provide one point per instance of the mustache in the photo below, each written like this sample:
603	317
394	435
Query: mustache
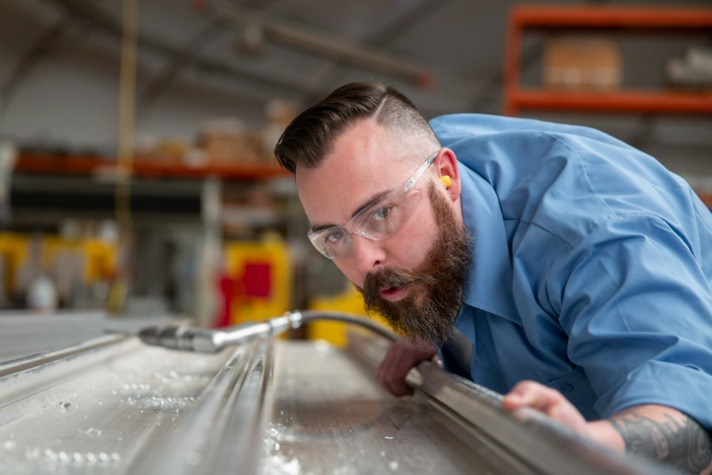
388	278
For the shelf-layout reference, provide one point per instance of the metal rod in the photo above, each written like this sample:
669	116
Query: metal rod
210	341
335	47
539	443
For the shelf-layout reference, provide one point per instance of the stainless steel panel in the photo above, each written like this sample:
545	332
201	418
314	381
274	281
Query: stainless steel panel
270	406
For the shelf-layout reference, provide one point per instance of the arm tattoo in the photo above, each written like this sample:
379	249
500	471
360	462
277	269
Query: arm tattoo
679	441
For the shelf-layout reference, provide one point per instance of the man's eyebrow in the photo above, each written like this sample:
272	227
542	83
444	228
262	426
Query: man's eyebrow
370	201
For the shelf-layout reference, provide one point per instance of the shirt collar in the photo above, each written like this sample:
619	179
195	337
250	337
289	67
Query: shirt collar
489	278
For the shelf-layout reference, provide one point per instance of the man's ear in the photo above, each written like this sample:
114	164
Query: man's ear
447	170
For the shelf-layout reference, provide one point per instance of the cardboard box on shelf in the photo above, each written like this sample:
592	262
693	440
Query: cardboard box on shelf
582	63
172	150
162	151
227	142
223	148
279	114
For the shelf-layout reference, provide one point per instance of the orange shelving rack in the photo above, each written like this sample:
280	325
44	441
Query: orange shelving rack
665	20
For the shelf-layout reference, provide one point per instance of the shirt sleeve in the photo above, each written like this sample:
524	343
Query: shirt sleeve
638	311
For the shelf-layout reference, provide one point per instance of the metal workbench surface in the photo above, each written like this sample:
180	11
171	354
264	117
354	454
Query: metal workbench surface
115	406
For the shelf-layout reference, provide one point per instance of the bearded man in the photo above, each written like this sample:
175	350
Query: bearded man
551	263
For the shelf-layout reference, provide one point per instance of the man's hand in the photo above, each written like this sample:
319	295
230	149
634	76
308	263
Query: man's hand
548	401
401	357
659	432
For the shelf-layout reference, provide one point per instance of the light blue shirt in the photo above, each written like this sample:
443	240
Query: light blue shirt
591	269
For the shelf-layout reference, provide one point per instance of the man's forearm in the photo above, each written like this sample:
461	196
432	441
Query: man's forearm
666	435
658	432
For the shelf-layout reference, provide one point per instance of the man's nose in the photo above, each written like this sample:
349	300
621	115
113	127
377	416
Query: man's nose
369	254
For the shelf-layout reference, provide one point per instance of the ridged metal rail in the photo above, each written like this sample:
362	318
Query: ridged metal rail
267	406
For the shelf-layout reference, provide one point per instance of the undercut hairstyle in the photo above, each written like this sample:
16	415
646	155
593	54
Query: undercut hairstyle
310	136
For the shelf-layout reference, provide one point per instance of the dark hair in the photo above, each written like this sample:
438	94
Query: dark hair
309	137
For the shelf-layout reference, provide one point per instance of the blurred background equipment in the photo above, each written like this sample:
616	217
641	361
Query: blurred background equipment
692	71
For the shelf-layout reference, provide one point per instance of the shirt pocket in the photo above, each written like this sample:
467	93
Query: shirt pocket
577	389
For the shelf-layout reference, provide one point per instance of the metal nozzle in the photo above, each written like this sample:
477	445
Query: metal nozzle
181	338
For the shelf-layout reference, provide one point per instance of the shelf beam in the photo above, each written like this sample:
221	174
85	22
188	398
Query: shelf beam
611	17
86	165
605	101
672	19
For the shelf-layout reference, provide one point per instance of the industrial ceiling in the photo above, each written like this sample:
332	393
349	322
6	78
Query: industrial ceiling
197	59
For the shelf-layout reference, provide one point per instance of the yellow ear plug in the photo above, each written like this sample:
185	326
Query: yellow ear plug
447	180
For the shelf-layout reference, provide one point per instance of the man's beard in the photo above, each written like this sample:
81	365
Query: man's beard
430	314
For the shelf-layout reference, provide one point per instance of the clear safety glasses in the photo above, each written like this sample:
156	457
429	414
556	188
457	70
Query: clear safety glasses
377	221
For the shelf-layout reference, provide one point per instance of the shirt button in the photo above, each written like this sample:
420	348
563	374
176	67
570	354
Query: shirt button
566	388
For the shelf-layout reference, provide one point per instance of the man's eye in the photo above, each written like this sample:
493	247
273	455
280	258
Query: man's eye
334	237
381	213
